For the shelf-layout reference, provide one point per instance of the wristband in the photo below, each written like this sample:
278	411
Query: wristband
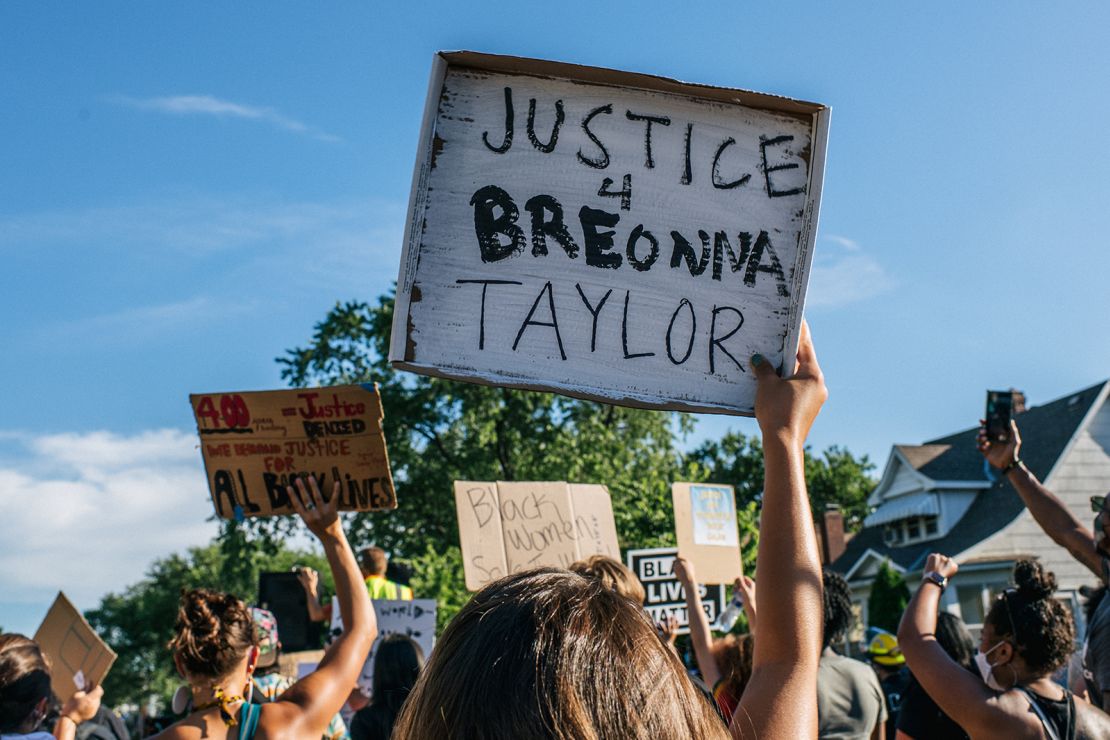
1014	465
936	579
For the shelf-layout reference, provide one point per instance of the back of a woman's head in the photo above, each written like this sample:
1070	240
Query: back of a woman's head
213	633
24	680
1028	615
397	665
552	654
733	655
838	607
612	574
952	635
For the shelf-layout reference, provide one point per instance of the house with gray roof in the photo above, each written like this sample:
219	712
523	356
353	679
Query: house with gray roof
940	497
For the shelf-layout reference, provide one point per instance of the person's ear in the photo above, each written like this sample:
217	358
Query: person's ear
252	658
1005	654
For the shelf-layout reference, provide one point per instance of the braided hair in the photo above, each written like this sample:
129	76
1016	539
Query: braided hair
1040	627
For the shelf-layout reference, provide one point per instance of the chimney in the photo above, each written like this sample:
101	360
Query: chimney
1019	401
830	530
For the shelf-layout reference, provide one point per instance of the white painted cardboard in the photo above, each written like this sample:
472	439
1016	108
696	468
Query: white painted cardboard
557	318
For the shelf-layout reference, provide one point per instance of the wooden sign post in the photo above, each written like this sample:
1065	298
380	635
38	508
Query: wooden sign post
255	444
606	235
509	527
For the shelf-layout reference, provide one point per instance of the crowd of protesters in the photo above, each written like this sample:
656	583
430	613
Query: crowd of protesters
571	653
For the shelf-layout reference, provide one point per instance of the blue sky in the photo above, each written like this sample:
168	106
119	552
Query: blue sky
186	188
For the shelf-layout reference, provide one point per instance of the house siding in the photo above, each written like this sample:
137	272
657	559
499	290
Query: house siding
1084	471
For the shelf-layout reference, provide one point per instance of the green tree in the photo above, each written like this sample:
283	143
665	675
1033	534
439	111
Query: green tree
139	622
888	599
439	431
835	477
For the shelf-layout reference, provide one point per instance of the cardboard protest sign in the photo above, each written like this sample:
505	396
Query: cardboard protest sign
509	527
254	444
78	657
606	235
665	595
707	531
415	618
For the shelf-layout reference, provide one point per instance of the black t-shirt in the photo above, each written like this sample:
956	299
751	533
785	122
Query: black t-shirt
922	719
894	690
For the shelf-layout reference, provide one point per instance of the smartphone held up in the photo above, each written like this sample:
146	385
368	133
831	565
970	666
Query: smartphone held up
1000	411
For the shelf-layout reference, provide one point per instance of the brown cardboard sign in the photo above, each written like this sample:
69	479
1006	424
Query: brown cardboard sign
78	657
606	235
255	443
707	531
507	527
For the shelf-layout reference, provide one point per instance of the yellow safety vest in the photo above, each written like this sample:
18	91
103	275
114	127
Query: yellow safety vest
380	588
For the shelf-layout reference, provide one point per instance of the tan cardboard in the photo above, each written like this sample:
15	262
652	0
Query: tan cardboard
78	657
480	533
507	527
255	443
707	531
594	509
591	308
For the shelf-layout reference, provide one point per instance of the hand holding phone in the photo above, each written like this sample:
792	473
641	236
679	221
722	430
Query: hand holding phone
1000	412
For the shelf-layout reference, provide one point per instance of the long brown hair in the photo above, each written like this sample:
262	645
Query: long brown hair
552	654
213	633
24	680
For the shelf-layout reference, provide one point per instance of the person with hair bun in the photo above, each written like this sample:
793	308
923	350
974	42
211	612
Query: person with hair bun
1027	635
25	694
216	649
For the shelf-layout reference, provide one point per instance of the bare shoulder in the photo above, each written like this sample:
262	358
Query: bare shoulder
1091	723
280	719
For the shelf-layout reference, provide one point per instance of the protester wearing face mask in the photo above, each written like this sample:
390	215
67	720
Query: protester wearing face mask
1091	548
1027	635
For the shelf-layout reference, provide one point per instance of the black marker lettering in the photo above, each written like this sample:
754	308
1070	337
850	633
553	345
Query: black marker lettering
715	343
598	243
763	247
767	170
630	252
624	334
487	226
595	312
482	315
552	227
693	329
554	323
683	251
554	138
717	181
508	141
603	161
721	247
648	120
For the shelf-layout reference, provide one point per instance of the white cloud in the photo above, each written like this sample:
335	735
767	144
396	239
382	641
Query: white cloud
207	105
844	274
87	513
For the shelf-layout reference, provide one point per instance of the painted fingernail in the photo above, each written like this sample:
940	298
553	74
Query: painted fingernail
757	359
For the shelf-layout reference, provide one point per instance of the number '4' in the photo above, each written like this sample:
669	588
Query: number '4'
625	194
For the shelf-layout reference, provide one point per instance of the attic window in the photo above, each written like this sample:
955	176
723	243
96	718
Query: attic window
910	530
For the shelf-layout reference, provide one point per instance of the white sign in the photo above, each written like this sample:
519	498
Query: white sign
606	235
665	595
415	618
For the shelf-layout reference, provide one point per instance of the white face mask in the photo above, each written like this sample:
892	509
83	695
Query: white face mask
985	668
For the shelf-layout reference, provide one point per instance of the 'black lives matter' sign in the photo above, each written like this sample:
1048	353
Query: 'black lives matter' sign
606	235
